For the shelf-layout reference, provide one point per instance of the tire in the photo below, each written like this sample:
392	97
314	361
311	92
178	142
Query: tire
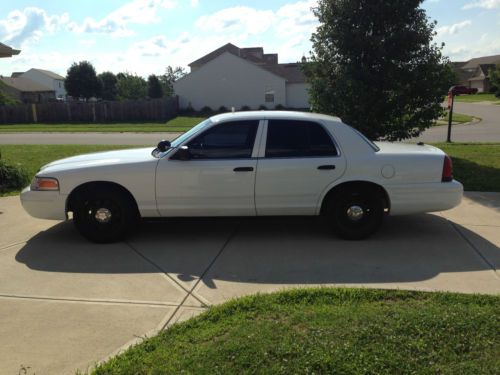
104	214
355	213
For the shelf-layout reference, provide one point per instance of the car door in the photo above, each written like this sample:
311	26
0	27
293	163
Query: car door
300	161
219	177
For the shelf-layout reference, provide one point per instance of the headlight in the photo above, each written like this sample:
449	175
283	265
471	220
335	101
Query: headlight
44	184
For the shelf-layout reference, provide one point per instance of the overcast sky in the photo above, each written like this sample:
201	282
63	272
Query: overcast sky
144	36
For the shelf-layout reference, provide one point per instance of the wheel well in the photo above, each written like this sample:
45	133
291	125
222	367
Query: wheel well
98	185
351	185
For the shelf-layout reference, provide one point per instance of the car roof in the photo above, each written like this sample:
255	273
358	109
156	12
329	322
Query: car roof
265	115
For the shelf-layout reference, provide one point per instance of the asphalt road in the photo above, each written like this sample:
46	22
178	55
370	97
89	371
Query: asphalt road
488	130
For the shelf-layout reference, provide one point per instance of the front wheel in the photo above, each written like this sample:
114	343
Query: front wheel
355	213
103	215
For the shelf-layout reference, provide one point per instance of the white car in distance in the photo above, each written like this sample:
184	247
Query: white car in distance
256	163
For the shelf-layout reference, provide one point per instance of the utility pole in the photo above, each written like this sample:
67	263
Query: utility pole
451	100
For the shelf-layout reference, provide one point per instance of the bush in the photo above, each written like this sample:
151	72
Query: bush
279	107
206	110
12	177
245	108
223	109
262	108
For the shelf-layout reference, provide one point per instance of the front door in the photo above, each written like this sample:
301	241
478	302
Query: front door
219	177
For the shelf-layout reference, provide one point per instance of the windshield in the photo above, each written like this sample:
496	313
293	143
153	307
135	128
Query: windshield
180	139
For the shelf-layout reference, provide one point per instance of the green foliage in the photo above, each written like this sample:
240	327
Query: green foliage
5	99
375	66
12	177
81	81
262	108
131	86
155	89
223	109
108	85
171	75
495	81
327	331
206	110
245	108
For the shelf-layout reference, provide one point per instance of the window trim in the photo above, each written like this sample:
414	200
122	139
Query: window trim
262	153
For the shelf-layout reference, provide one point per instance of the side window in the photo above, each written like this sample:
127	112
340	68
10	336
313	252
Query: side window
230	140
289	138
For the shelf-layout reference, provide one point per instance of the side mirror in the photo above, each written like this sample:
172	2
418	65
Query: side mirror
163	145
183	153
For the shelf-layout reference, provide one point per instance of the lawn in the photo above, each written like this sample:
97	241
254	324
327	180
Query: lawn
458	118
482	97
327	331
179	124
475	165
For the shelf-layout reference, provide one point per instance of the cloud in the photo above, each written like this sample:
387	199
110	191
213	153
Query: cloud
28	25
237	20
194	3
297	18
453	29
486	4
116	23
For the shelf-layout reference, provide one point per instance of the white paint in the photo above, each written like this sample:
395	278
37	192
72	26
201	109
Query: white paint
55	84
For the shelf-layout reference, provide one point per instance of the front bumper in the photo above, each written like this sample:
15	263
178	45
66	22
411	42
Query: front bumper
50	205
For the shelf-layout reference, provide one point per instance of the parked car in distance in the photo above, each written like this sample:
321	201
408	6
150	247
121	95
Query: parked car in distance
462	90
259	163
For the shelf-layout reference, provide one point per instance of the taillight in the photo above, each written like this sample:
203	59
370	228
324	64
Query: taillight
447	169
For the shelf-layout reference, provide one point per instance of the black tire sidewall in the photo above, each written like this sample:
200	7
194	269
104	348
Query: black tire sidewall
120	205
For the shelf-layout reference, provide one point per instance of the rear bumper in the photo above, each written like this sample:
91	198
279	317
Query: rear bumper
50	205
428	197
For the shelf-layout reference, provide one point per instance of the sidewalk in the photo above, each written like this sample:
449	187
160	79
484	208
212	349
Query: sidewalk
66	303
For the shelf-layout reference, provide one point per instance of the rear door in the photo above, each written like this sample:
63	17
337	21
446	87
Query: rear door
299	162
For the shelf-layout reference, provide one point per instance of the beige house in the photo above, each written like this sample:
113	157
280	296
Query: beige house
46	78
475	72
238	77
27	91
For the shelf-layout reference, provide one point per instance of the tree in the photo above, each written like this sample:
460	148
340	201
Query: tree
81	81
494	75
5	98
131	86
154	87
171	75
374	65
108	85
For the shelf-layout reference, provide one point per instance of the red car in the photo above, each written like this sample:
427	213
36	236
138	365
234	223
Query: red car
461	90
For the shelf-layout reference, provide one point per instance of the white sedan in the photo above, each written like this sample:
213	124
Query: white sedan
248	164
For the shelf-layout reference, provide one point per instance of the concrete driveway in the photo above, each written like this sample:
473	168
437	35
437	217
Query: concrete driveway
66	303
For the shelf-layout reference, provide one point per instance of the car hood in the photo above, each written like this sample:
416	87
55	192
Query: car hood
101	159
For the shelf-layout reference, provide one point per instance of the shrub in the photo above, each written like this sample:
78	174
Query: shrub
223	109
279	107
206	110
262	108
245	108
12	177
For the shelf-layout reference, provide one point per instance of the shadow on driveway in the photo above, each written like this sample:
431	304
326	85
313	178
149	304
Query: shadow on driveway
266	250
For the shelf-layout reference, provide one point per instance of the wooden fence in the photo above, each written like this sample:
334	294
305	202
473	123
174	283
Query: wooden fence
87	112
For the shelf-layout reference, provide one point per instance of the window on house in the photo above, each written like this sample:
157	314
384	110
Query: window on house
269	96
290	138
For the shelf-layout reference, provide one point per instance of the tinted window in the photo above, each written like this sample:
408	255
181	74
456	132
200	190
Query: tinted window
230	140
297	139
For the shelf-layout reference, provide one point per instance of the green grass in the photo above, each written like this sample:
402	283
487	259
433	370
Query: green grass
458	118
31	157
327	331
475	165
177	125
477	98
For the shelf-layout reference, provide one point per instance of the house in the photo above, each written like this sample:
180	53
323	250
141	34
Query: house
238	77
6	51
475	72
46	78
27	91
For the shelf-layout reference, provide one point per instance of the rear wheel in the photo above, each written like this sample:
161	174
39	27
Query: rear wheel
355	213
103	215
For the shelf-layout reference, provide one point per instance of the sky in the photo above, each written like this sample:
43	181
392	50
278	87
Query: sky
145	36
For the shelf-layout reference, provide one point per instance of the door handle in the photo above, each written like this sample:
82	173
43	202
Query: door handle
243	169
326	167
